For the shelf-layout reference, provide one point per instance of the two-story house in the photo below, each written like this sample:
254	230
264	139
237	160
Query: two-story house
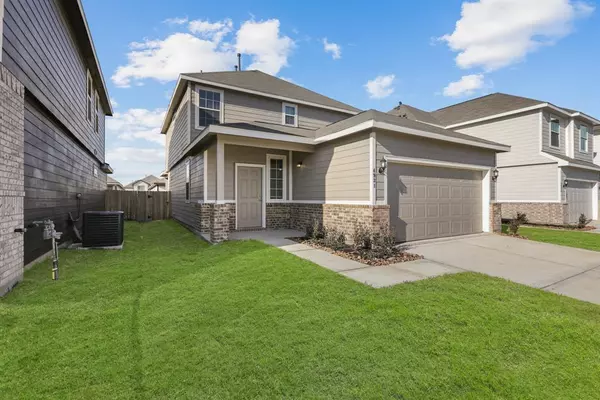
147	183
550	173
53	102
246	150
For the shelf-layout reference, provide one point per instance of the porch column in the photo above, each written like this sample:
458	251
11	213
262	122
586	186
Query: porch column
595	202
220	171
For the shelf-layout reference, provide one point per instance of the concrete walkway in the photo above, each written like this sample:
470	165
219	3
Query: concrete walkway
564	270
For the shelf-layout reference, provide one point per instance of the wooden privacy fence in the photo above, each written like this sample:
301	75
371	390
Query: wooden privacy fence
139	206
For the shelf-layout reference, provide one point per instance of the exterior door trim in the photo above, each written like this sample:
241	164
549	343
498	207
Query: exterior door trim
264	192
485	182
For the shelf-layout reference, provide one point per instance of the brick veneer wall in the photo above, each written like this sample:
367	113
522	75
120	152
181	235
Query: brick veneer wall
495	217
301	215
278	215
537	213
221	222
12	109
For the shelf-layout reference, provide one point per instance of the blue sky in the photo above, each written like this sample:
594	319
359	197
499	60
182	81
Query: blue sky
377	54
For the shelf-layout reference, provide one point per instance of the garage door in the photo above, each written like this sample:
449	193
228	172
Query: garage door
579	197
433	202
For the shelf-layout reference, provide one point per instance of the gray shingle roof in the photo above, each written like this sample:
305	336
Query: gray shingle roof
414	114
482	107
272	128
576	162
112	181
150	180
270	85
401	122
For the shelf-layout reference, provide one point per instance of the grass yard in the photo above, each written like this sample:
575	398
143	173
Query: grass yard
582	240
171	317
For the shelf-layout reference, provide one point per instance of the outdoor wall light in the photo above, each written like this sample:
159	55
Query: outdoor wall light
565	183
495	174
299	165
382	165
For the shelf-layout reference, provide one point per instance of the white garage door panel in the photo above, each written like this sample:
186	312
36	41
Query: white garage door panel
432	202
579	198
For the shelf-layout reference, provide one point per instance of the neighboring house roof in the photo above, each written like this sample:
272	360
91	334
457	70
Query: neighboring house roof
377	119
156	184
258	83
112	181
571	162
76	16
150	180
493	105
415	114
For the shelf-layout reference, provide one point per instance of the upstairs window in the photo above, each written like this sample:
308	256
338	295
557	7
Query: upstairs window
290	114
210	104
554	132
140	188
583	138
97	114
187	181
277	176
90	97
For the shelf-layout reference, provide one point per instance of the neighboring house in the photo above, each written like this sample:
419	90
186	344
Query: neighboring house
113	184
53	102
550	173
147	183
246	150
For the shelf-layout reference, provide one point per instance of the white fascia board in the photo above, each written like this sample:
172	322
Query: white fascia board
434	163
583	116
348	131
565	163
227	130
169	114
273	96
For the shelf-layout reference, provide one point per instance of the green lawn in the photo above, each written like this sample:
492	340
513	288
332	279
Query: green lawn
582	240
170	317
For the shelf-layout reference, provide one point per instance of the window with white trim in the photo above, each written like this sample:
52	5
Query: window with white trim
210	107
554	132
140	188
90	97
289	114
97	114
187	181
584	134
277	177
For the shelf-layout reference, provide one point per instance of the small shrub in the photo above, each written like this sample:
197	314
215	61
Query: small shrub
334	239
515	223
315	230
384	242
583	221
362	238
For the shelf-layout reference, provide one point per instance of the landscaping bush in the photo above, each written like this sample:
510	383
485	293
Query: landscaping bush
334	239
384	242
515	223
315	230
362	238
583	221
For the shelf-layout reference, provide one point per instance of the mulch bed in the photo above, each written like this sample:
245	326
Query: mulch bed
354	255
517	236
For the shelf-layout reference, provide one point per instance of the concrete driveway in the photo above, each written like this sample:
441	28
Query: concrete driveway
565	270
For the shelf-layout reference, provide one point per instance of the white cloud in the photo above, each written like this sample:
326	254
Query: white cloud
493	34
205	48
137	123
465	86
176	21
211	30
381	86
131	163
333	48
262	41
114	103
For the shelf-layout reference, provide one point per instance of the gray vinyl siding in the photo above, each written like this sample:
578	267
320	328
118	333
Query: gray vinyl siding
564	121
182	210
180	138
247	155
521	132
528	183
245	107
211	163
579	155
336	171
400	145
40	49
56	168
